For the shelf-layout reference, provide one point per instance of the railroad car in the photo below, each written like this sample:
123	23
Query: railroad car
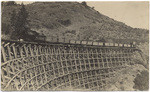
101	44
116	44
111	44
89	43
72	41
120	45
129	45
83	42
78	42
60	40
54	40
41	37
106	44
133	44
95	43
125	45
66	41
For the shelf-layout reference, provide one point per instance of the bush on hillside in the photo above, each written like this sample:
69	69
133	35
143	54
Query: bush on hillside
142	81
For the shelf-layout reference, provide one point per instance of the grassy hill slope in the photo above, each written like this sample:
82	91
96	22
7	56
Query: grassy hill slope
73	20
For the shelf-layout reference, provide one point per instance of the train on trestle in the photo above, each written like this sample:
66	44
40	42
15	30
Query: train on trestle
94	43
88	43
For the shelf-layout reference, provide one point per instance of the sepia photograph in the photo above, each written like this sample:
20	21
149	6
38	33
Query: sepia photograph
74	45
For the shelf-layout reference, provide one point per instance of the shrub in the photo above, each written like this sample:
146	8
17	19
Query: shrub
66	22
142	81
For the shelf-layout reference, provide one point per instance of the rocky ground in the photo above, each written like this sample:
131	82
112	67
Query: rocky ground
131	78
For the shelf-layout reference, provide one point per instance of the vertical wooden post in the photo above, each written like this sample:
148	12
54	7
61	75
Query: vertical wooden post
93	58
53	63
30	49
83	79
46	52
14	50
102	53
107	57
36	50
79	59
84	53
97	58
112	56
26	50
39	54
72	58
43	62
3	53
61	61
74	54
89	58
20	49
65	55
9	52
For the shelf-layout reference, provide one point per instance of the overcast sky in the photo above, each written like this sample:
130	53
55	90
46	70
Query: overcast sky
134	14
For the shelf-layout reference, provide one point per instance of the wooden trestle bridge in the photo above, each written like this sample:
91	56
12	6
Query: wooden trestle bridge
51	66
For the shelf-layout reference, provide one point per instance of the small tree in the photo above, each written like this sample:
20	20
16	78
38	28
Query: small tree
13	19
19	23
84	3
10	3
5	29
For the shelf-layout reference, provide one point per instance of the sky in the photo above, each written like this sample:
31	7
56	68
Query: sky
132	13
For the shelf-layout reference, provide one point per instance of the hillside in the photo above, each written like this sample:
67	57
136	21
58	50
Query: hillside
73	20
